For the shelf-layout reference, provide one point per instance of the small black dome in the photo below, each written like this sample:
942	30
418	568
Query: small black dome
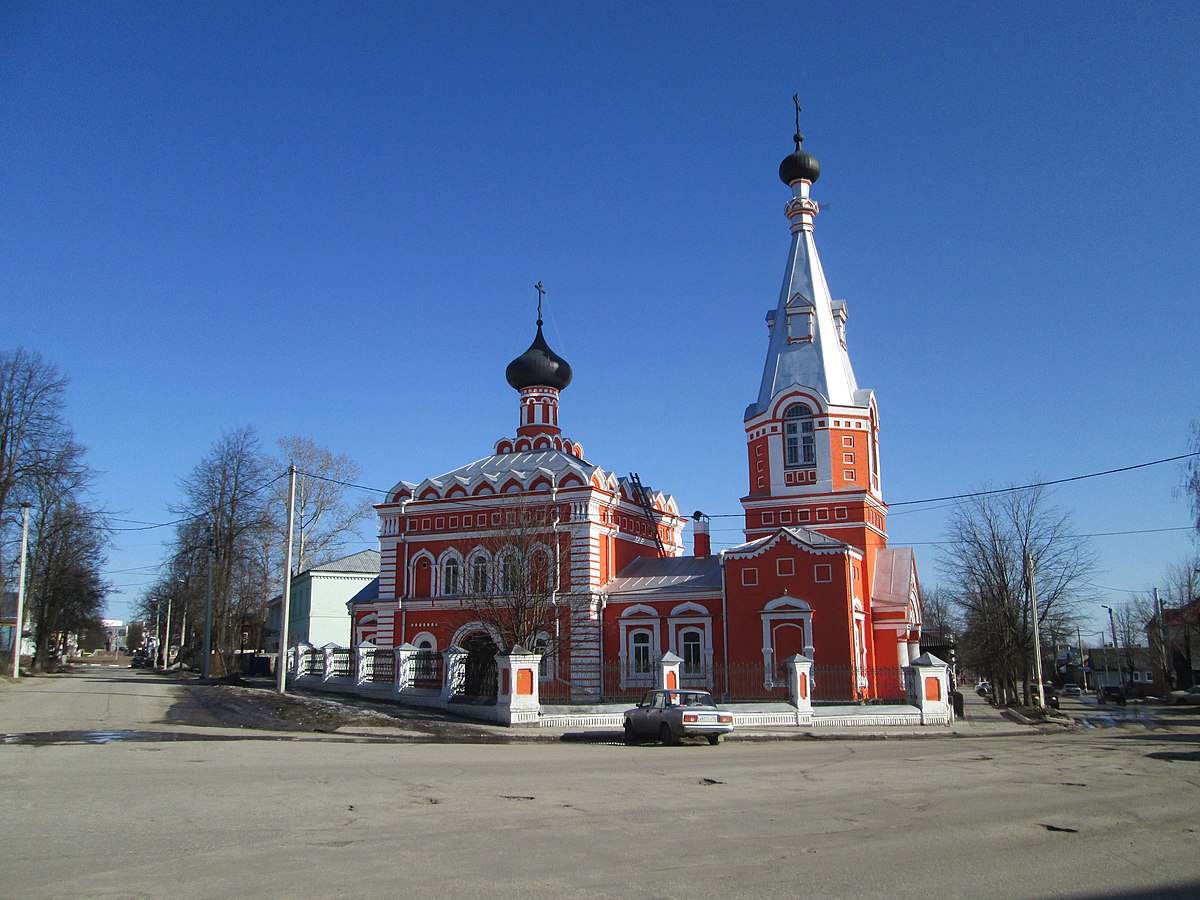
799	165
538	366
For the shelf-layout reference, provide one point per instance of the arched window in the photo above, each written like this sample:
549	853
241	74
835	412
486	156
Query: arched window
542	646
539	573
692	645
450	576
798	445
510	572
640	644
479	575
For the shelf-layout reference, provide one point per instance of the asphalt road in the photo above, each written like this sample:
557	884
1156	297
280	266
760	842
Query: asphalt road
206	812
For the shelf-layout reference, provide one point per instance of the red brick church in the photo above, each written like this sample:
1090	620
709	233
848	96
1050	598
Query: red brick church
814	576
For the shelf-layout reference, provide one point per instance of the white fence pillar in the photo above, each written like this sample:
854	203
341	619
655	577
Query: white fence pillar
404	675
454	671
927	687
517	698
799	669
363	662
668	671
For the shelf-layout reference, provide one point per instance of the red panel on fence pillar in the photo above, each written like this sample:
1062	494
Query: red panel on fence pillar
803	685
933	689
671	683
525	681
504	683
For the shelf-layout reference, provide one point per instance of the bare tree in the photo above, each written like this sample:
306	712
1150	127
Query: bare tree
66	590
326	515
990	538
940	615
35	441
1190	488
228	491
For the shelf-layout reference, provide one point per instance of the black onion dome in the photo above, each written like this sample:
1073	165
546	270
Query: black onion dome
799	165
539	366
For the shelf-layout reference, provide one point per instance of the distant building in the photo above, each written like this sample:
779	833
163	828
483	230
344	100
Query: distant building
1133	668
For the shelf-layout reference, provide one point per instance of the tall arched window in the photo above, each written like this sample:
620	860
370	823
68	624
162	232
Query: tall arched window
798	444
510	572
692	644
539	573
450	575
640	643
479	575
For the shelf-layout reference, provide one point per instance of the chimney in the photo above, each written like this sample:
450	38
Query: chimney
701	545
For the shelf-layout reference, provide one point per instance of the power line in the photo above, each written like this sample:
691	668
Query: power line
1040	484
201	515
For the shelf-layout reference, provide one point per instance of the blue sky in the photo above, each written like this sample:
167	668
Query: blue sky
326	219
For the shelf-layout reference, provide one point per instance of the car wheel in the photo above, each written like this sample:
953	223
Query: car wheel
630	734
664	735
714	739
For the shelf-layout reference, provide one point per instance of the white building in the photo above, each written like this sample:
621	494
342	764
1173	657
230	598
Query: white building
318	612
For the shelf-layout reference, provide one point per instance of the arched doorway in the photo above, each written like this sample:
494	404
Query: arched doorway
479	675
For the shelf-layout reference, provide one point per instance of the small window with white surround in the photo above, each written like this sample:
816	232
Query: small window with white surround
749	577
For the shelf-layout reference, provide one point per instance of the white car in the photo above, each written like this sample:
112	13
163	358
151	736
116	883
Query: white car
1190	697
670	715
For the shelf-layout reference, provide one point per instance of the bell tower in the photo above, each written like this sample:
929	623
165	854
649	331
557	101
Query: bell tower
812	435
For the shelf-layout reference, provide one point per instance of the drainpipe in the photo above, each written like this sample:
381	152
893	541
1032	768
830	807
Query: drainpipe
724	621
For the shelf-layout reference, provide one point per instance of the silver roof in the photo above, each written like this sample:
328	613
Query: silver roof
803	535
369	593
894	577
524	466
823	365
365	562
668	575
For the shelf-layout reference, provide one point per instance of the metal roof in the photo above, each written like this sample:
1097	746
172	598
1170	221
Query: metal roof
893	579
668	575
365	562
822	364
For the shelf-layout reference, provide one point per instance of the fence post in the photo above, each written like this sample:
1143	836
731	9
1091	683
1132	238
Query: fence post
327	661
517	698
453	671
362	669
302	651
404	655
800	683
668	671
927	687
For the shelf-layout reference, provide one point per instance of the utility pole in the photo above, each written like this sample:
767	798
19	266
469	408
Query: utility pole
19	627
1164	659
167	638
1116	647
286	602
206	668
156	605
1037	642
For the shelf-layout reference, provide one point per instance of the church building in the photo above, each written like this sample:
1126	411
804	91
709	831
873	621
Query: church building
536	545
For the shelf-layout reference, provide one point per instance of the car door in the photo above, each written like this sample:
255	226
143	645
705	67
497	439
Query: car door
642	717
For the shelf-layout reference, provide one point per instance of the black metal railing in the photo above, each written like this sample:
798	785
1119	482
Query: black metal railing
342	663
426	669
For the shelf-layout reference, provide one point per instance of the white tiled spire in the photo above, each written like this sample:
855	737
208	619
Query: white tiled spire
806	348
